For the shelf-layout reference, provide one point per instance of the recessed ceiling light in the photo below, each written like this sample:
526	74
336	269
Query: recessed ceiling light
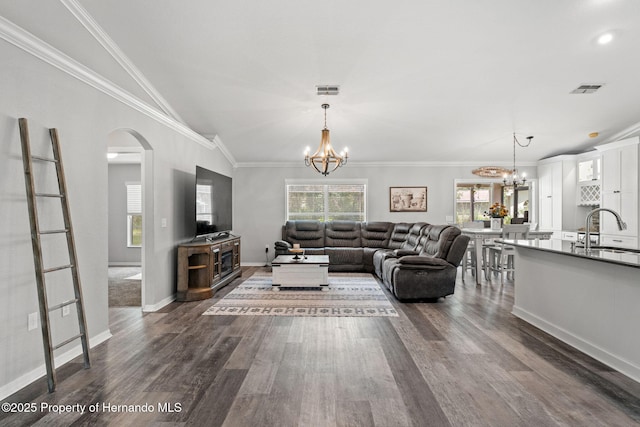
605	38
593	135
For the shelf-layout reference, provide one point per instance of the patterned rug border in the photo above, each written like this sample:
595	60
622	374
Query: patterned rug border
348	296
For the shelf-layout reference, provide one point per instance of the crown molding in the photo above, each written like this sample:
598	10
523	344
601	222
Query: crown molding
114	50
301	164
631	131
31	44
215	139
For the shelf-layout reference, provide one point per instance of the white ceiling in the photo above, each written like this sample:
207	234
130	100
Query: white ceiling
420	80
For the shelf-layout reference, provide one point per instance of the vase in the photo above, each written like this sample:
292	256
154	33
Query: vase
496	223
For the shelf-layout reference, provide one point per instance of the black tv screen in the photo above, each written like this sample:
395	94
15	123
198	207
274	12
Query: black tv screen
213	203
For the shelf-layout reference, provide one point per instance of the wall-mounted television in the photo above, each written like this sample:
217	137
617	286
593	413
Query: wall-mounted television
213	203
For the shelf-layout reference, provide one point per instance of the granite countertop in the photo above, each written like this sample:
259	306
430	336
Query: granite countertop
621	256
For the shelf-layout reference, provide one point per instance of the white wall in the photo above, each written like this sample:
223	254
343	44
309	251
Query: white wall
259	199
84	117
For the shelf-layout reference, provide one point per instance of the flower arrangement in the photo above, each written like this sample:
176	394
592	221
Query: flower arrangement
497	210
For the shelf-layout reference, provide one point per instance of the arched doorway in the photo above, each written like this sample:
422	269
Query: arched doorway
130	158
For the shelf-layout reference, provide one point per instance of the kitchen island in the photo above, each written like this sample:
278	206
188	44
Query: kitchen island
591	300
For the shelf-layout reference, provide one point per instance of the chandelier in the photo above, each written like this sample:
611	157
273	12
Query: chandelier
325	157
514	180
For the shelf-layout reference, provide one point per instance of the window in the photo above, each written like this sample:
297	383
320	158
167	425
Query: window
517	201
327	202
472	201
134	215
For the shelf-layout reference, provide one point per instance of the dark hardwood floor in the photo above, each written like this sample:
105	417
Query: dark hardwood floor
464	361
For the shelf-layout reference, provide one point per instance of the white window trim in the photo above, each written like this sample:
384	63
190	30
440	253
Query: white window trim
326	181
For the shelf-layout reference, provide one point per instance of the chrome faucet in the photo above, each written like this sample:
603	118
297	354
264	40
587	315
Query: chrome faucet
587	236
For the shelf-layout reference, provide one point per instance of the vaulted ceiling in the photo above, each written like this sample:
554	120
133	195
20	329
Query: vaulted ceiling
420	80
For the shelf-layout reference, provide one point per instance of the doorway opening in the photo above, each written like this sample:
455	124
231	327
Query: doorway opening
130	192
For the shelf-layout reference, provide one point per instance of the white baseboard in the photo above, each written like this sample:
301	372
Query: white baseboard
125	264
59	360
159	305
617	363
253	264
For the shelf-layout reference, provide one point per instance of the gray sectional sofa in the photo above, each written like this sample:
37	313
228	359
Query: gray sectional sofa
415	261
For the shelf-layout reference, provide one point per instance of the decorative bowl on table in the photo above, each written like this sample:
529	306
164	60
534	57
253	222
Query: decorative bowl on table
297	252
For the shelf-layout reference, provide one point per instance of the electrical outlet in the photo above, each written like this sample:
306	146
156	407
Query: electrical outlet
33	321
66	310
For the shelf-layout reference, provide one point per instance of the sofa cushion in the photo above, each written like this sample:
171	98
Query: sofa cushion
399	235
437	240
344	256
343	234
309	234
376	234
413	237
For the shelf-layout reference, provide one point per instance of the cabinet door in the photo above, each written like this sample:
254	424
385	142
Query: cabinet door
608	224
620	190
611	171
236	254
216	263
629	212
628	174
550	181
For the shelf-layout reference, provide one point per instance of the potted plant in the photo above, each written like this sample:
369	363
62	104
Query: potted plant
497	212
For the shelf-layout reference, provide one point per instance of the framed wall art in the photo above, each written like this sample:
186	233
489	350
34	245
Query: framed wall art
408	199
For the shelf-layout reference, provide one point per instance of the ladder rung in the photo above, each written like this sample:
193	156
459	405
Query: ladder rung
64	304
62	267
44	159
65	342
49	195
66	230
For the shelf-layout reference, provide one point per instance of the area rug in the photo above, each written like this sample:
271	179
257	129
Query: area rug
348	296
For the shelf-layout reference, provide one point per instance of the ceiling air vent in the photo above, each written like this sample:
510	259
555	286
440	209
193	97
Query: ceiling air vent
328	89
586	89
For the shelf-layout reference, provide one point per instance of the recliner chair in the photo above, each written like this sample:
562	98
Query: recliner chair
430	272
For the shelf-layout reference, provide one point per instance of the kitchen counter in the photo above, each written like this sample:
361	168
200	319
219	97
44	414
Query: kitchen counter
620	256
588	300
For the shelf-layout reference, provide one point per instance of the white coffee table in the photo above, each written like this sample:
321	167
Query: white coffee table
310	271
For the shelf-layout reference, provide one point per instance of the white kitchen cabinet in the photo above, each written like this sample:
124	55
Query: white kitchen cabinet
589	179
620	190
556	196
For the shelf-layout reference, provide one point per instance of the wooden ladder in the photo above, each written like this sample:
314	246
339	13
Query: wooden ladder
45	309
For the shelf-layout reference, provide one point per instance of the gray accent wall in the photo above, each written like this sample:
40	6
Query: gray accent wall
259	198
84	117
119	176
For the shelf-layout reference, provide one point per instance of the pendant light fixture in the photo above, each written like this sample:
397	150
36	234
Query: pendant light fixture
514	180
325	159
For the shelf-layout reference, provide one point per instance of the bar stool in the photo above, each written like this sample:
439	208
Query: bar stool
469	259
501	256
